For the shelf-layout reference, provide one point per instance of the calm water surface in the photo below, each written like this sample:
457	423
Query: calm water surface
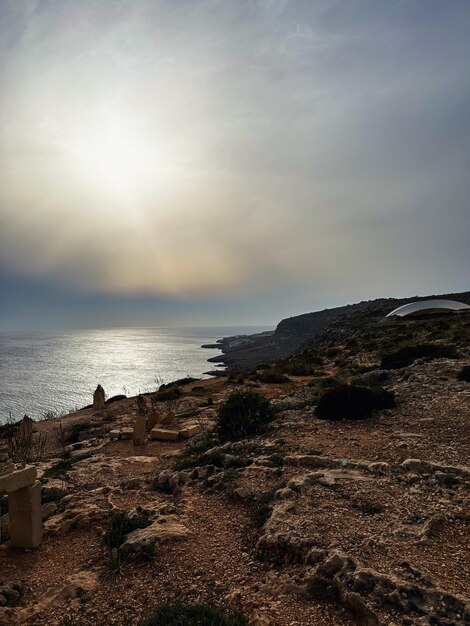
59	371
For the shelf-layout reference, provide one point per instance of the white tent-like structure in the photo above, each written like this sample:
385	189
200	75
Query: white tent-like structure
429	306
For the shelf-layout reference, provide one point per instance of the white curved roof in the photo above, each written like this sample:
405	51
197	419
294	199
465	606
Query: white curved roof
429	305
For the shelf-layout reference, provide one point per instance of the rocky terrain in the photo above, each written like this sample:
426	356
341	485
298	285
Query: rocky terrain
309	521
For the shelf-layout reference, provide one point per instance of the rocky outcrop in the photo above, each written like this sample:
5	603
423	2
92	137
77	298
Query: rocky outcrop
365	592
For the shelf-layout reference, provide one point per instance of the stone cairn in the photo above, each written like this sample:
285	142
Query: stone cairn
98	398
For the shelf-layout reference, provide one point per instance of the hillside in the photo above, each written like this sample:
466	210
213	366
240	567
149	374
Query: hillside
331	522
295	332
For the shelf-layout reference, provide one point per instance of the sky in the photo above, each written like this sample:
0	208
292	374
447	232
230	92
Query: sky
202	162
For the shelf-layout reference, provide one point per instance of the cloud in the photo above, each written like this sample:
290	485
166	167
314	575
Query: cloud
181	149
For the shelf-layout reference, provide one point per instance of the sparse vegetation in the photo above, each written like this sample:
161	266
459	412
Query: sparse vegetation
305	364
355	403
192	615
59	470
273	377
244	413
72	434
53	494
166	394
121	524
408	354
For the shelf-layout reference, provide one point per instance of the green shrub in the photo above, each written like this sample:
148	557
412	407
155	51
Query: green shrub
163	395
350	402
371	508
121	524
244	413
52	494
192	615
59	470
187	380
464	374
407	355
75	430
301	364
117	398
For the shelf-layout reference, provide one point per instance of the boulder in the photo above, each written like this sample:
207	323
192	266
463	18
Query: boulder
143	540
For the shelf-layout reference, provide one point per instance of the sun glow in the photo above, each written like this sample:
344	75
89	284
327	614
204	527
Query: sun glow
114	157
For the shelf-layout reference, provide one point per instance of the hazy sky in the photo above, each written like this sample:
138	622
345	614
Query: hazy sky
225	161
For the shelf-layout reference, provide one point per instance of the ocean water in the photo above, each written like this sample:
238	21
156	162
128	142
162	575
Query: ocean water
45	371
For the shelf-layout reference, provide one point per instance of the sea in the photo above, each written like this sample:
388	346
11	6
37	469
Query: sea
43	372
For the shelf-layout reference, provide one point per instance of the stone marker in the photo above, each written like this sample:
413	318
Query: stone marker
152	420
169	418
26	430
163	435
24	501
127	433
114	435
189	431
98	398
25	516
140	431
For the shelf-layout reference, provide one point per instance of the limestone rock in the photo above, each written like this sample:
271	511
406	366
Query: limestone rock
165	528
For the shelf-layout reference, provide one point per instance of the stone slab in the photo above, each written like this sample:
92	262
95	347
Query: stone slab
114	434
164	435
189	431
18	479
152	420
127	433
